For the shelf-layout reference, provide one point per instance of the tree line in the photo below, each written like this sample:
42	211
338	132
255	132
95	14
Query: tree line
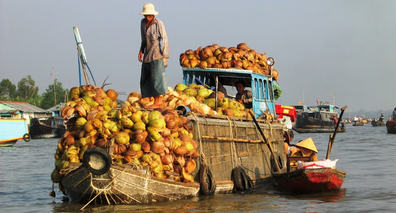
26	90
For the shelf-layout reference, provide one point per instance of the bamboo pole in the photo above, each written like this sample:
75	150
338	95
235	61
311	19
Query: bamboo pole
231	139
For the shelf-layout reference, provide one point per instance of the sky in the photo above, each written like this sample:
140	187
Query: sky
340	51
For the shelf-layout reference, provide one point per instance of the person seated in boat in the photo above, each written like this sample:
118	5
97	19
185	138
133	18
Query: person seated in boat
243	96
305	148
288	136
394	114
381	118
334	118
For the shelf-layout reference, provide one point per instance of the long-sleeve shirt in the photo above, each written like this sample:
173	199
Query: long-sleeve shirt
154	41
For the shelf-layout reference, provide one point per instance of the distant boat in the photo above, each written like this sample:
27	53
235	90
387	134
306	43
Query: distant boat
12	130
50	127
391	126
375	122
316	119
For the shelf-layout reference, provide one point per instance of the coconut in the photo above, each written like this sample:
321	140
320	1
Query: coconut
122	138
139	125
140	136
190	166
180	87
112	94
157	147
136	147
167	159
203	64
101	142
157	123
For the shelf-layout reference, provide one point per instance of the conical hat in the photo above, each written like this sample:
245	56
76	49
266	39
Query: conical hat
307	144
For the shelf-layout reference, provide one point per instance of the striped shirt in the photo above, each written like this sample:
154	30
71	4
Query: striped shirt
154	41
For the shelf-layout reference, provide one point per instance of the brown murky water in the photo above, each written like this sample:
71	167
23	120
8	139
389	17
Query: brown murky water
366	153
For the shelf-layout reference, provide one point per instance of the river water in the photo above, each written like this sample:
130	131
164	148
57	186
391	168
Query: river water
366	153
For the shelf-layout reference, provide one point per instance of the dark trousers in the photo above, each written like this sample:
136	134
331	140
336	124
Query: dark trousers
152	79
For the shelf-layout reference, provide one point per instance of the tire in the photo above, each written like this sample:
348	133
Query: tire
26	137
101	153
242	181
207	183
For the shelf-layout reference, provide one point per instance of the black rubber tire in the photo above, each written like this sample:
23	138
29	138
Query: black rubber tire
99	151
207	183
26	137
242	181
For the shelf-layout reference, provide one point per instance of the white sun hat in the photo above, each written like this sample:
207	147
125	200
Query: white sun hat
148	9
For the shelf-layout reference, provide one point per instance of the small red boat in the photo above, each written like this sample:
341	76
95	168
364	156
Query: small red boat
310	180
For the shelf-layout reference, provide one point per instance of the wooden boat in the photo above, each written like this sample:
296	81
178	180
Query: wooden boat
233	156
311	180
317	119
227	145
391	126
357	123
375	122
12	130
50	127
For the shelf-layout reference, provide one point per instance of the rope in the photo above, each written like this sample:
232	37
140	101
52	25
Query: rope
234	155
201	153
79	69
106	188
89	69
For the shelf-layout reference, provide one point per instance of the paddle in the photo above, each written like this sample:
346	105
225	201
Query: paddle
265	140
332	136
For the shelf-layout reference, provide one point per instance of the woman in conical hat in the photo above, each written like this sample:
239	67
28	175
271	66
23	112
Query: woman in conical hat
305	148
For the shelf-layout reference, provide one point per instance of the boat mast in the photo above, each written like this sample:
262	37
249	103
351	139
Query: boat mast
81	53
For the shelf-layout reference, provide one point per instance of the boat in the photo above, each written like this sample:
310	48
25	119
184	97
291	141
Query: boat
317	119
12	130
47	127
375	122
357	121
391	126
318	180
306	176
232	155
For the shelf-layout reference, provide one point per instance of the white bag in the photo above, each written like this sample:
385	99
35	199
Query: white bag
317	164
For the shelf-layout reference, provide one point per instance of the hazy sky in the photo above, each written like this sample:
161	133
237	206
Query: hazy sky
327	50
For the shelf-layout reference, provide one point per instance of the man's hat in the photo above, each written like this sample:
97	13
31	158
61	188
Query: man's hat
307	144
148	9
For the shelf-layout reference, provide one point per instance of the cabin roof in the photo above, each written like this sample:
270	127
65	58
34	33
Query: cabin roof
21	106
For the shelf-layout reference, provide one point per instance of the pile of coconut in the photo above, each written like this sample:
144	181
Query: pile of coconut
240	57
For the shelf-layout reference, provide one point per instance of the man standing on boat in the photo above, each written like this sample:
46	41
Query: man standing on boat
154	53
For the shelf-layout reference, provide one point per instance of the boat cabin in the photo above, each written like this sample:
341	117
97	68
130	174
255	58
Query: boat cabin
260	85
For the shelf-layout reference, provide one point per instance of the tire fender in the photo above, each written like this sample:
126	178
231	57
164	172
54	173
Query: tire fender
26	137
100	153
242	181
207	183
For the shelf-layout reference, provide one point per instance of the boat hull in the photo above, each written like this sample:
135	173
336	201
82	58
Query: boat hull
12	130
224	145
391	127
377	123
311	180
318	129
316	122
52	127
123	185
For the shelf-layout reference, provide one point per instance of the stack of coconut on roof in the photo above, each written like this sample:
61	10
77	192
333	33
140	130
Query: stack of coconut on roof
240	57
